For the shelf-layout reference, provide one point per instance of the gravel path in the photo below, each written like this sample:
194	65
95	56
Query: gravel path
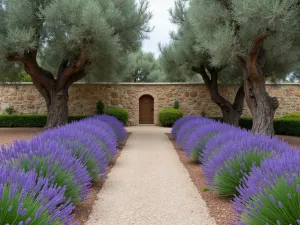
149	186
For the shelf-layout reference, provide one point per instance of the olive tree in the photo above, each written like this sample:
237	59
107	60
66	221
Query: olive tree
59	42
140	64
258	37
183	59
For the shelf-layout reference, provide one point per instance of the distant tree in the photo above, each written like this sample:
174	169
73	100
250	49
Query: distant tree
139	66
59	42
258	37
183	60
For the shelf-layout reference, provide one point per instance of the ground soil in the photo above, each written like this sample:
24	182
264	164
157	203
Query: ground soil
219	208
84	209
8	135
292	140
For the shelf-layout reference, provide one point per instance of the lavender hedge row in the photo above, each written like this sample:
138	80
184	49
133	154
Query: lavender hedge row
43	179
261	173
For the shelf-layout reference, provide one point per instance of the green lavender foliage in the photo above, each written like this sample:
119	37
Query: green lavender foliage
11	205
230	177
62	177
280	203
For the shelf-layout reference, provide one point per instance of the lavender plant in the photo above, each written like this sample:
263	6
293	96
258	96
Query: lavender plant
225	170
26	198
179	123
271	194
196	141
52	161
114	123
215	143
102	133
81	146
189	127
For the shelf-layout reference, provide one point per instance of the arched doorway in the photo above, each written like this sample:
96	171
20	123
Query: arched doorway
146	109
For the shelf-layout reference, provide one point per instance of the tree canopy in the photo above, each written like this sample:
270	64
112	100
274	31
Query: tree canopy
260	37
182	60
59	42
227	31
142	67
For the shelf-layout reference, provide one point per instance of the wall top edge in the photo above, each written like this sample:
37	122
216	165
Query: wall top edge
137	84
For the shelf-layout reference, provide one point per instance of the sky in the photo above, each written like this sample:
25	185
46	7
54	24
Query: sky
161	23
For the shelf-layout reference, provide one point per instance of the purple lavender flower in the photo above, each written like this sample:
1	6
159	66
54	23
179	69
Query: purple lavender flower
82	146
179	123
225	170
189	127
274	184
24	194
104	136
52	161
196	141
114	123
216	142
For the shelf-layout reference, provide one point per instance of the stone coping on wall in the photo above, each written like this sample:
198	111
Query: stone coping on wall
150	84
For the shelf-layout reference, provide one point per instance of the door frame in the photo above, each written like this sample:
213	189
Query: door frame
151	113
137	104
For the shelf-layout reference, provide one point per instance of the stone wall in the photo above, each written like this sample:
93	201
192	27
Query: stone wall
193	98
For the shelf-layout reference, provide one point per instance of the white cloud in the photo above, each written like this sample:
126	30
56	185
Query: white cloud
161	23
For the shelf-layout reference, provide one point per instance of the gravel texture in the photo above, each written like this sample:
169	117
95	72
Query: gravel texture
149	186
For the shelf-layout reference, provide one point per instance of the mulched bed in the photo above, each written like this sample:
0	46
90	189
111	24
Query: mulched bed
84	209
219	208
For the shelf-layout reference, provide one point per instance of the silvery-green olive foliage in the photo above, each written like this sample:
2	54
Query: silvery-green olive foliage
183	54
143	67
60	29
227	29
139	66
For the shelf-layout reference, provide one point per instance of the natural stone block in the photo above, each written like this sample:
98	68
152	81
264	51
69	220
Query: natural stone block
193	94
114	102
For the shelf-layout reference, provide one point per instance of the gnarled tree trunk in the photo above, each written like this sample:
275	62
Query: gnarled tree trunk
261	105
231	111
57	108
54	91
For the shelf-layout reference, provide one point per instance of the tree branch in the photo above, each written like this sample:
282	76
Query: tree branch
15	58
38	74
253	72
239	99
72	68
80	74
201	70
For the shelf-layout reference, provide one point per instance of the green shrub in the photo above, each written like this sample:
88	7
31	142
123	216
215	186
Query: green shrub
292	115
100	108
120	114
282	126
287	126
10	110
167	117
29	120
176	105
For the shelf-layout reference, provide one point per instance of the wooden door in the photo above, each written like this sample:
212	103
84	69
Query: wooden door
146	109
